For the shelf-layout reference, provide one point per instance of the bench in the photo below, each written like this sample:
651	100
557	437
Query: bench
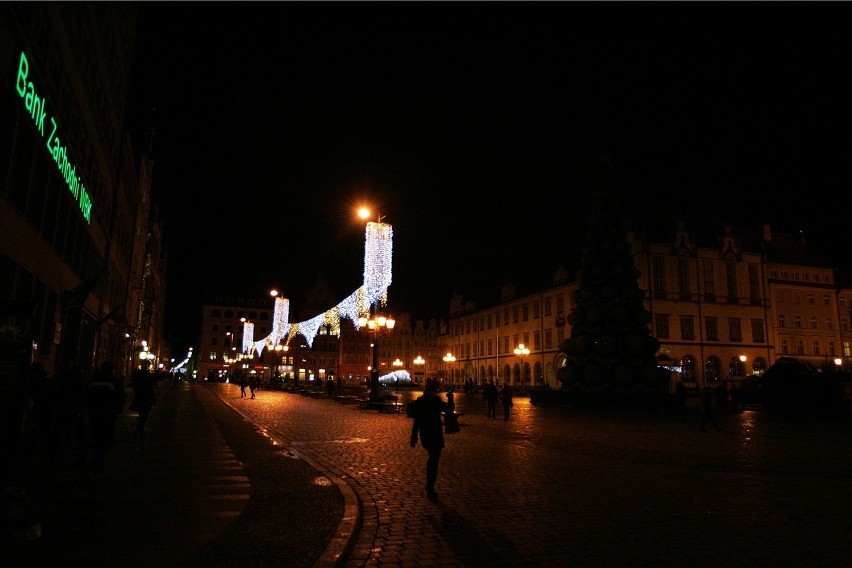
388	403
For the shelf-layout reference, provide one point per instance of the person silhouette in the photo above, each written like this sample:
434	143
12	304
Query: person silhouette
104	400
144	398
427	423
506	399
708	412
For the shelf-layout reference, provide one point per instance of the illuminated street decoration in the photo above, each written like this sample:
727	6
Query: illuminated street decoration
378	253
36	105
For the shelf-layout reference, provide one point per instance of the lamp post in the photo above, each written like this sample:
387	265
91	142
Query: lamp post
375	325
522	351
419	362
449	358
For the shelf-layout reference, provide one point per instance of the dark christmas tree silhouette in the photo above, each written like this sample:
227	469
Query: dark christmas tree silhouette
611	353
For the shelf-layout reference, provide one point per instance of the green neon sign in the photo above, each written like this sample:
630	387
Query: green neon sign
37	107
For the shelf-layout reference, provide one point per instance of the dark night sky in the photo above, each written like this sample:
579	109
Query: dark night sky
474	128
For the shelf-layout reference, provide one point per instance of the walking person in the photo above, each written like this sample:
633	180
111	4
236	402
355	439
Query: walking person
491	395
708	411
427	423
329	383
506	399
104	399
244	382
144	398
43	393
253	384
72	409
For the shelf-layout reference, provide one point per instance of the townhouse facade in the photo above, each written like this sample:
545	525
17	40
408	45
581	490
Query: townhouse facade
722	308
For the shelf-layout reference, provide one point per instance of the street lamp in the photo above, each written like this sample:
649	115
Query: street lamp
522	351
449	358
375	325
280	351
419	362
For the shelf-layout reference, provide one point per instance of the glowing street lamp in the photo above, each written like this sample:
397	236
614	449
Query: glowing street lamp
522	351
449	358
375	325
419	362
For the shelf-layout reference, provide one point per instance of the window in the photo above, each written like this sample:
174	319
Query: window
797	321
831	348
661	323
735	331
813	322
709	286
214	327
825	301
658	274
785	346
547	307
753	283
712	325
214	340
548	338
216	313
816	347
844	324
212	356
811	299
514	314
525	311
687	328
757	335
536	310
782	320
731	278
683	276
800	346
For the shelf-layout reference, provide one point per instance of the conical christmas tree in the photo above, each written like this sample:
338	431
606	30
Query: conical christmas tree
611	352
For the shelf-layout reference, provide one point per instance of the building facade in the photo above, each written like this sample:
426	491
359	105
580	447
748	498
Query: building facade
723	307
82	266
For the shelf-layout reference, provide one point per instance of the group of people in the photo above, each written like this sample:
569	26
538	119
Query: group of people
492	395
69	410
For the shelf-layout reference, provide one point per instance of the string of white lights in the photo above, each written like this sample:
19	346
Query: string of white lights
378	257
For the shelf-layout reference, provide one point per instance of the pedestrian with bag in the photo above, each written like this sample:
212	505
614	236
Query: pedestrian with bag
427	424
506	399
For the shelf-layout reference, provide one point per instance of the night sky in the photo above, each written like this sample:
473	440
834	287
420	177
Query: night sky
476	130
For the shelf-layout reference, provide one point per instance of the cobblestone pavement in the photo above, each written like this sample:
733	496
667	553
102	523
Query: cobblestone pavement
567	487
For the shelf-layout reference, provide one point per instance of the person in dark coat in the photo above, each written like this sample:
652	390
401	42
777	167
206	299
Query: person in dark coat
144	399
506	399
708	411
427	423
104	400
491	396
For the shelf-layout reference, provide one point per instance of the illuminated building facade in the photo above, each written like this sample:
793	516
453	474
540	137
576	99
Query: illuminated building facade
723	306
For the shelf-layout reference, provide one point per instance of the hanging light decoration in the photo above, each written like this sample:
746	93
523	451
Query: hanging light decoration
378	255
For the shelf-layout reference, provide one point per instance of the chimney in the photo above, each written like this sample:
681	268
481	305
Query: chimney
767	233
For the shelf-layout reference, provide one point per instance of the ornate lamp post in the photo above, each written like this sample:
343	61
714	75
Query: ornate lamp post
449	358
522	351
419	362
375	325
